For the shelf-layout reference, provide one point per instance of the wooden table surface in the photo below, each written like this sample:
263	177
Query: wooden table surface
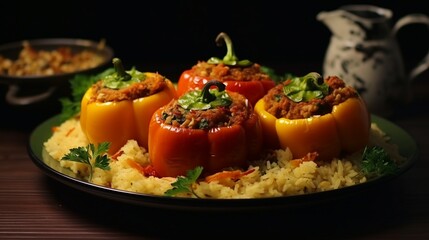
32	205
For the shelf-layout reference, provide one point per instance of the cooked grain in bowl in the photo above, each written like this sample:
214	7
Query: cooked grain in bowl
34	62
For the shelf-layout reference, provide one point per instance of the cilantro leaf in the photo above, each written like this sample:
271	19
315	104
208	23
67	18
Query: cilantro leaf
193	100
184	184
117	81
377	162
101	159
102	148
88	153
306	88
102	162
79	154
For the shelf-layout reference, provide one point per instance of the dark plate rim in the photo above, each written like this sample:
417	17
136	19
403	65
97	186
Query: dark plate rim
35	149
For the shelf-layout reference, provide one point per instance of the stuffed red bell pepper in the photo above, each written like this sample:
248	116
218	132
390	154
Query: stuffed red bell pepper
211	128
240	76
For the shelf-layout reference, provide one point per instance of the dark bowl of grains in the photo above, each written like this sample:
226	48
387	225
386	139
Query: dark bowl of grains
34	69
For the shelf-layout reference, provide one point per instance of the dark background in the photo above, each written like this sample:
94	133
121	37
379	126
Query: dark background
171	36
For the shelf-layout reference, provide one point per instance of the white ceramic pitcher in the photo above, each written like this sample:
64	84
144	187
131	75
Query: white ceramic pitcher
364	52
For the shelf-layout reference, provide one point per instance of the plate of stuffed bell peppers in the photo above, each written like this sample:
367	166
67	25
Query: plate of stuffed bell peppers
218	139
53	169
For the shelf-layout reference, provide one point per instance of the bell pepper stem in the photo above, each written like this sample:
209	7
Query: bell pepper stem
230	55
316	77
207	96
119	68
230	58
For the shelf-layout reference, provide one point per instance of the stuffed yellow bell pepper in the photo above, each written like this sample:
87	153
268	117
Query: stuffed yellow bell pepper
311	114
119	107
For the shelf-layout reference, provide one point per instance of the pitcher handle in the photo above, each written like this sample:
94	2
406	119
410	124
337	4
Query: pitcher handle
412	19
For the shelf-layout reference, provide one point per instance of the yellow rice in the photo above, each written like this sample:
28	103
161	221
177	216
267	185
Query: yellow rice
270	178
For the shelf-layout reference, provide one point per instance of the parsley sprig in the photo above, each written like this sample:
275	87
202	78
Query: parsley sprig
377	162
184	184
94	157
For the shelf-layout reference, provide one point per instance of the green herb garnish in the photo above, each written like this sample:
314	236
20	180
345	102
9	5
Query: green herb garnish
377	162
184	184
275	76
93	157
306	88
206	98
121	78
79	85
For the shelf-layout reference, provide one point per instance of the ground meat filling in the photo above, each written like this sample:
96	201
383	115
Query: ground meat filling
147	87
223	72
235	114
277	104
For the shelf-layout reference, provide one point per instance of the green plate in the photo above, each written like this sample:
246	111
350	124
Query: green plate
407	148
